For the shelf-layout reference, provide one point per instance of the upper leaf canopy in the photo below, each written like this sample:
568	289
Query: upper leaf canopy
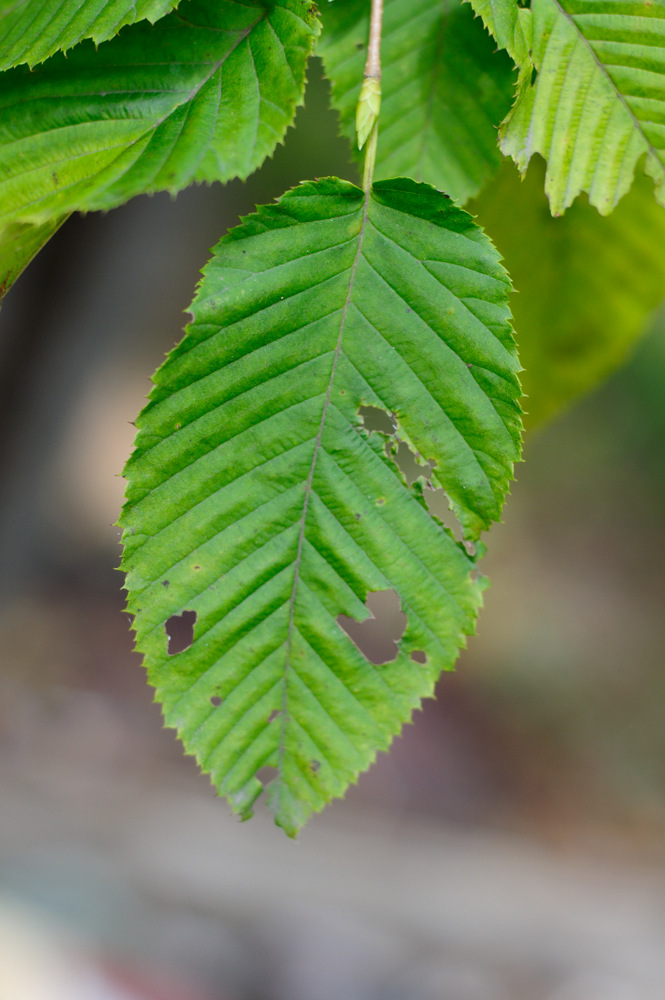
204	94
591	98
260	504
444	89
33	30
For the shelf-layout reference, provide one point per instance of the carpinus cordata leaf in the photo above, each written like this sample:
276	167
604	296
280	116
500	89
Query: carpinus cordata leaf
33	30
261	506
591	97
204	94
588	294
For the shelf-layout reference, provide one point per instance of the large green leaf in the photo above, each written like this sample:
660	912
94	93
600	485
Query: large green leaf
205	94
445	89
260	504
586	284
32	30
592	93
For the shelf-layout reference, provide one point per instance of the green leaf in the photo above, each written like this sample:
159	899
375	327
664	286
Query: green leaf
506	21
444	89
19	243
33	30
586	295
260	504
592	96
205	94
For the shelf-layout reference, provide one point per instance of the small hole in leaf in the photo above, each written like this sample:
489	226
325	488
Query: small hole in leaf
266	774
180	632
375	419
408	464
438	504
216	700
534	75
275	714
165	583
377	636
419	656
314	765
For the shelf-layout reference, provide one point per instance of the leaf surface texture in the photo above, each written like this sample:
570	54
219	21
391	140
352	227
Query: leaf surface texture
33	30
444	89
258	500
591	99
204	94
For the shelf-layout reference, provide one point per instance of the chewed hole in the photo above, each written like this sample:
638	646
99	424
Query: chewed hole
180	632
266	774
377	636
438	505
216	700
419	656
408	464
375	419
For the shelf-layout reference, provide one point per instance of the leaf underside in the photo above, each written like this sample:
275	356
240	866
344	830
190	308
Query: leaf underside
586	296
33	30
591	98
204	94
259	503
444	89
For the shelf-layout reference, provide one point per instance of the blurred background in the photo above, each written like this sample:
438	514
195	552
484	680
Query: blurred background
510	846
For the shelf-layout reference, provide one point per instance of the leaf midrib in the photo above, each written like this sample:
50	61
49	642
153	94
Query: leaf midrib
308	492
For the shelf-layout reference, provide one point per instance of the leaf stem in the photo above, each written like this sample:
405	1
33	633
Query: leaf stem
370	158
367	114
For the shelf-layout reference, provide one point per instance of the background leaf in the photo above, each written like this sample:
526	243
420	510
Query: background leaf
594	104
444	89
260	505
33	30
586	285
205	94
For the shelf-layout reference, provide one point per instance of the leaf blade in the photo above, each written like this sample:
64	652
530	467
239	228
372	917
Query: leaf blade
33	30
591	98
586	297
257	494
153	109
